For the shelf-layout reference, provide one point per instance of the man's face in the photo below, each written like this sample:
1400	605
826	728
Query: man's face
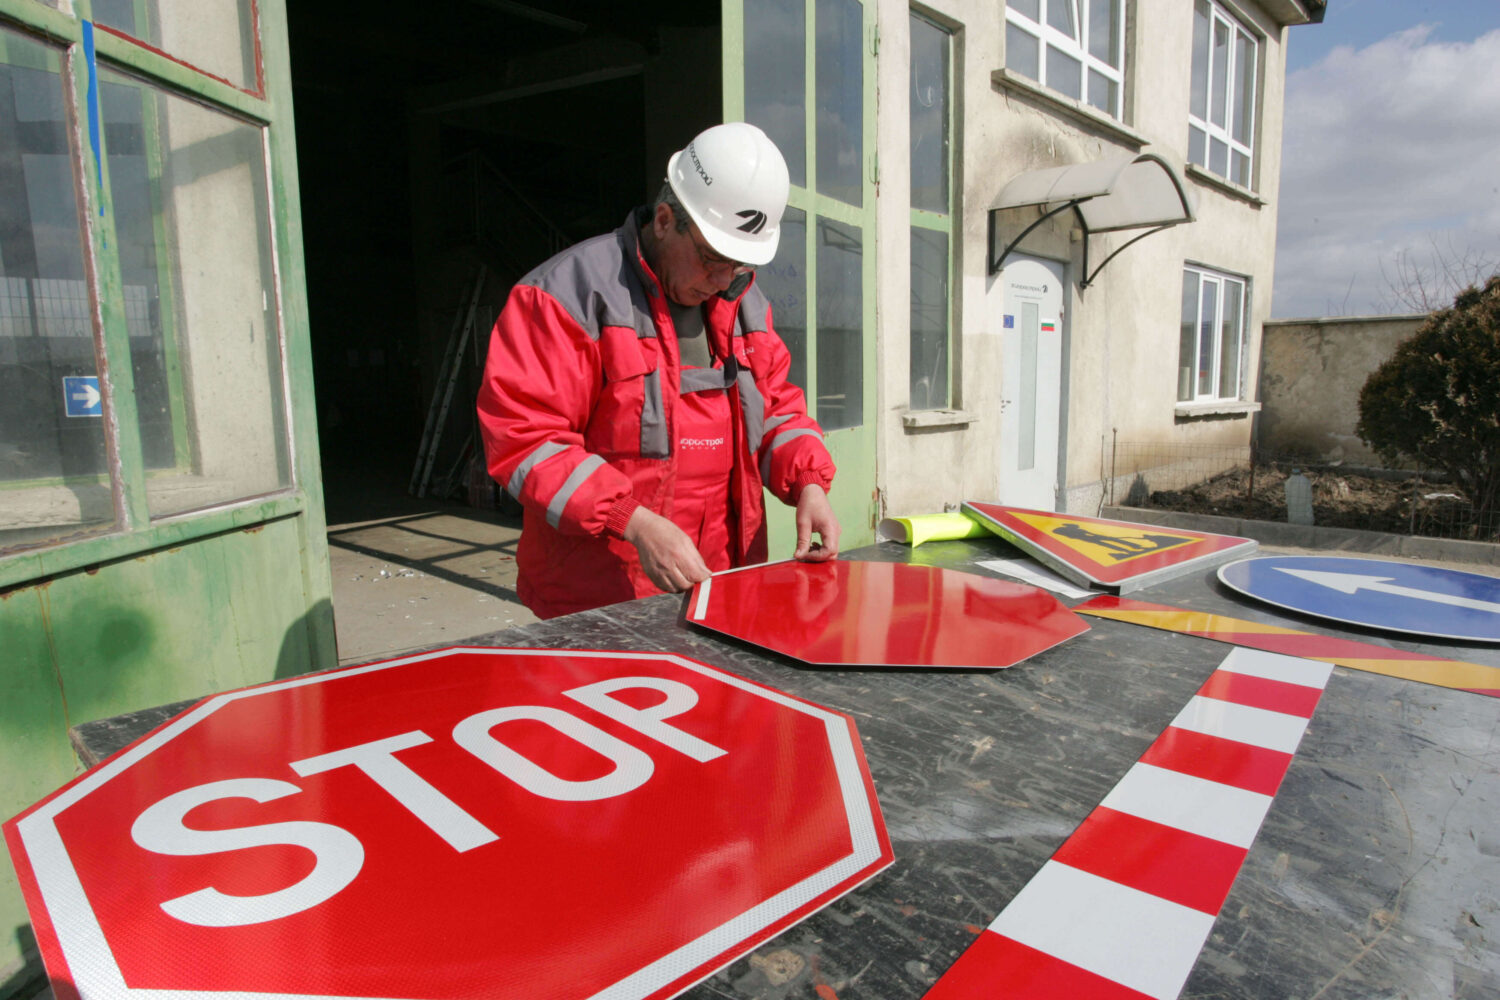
690	270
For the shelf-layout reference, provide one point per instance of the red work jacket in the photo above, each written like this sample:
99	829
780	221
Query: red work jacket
578	414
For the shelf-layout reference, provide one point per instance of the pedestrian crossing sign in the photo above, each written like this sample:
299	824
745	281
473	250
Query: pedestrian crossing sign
1098	552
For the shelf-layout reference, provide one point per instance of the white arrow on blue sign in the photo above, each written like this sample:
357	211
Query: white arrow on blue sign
81	397
1392	596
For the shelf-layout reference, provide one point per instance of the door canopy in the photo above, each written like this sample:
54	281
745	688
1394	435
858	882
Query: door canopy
1107	196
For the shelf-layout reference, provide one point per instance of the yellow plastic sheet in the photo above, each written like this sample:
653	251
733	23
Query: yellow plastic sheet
921	528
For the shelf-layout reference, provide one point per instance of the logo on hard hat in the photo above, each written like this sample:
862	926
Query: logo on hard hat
693	155
755	220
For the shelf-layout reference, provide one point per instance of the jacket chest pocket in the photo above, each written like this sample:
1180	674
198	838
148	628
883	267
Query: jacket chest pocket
629	419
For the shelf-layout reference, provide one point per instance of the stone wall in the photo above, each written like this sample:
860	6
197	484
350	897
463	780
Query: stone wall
1310	376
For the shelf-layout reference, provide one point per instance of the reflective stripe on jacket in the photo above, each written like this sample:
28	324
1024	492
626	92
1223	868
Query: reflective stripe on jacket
577	411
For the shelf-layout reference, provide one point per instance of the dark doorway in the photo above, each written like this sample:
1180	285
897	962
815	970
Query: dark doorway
436	139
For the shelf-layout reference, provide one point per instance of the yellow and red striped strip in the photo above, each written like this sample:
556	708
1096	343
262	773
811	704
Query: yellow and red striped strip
1458	674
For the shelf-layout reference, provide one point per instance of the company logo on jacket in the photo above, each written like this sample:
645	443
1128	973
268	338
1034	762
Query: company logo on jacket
701	443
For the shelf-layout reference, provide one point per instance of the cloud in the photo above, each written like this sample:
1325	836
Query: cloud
1387	149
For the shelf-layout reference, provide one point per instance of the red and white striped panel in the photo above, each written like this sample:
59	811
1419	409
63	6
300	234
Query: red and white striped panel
1124	906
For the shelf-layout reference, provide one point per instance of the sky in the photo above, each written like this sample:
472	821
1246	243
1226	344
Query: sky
1390	155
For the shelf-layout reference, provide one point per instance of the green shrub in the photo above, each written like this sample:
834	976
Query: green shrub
1437	399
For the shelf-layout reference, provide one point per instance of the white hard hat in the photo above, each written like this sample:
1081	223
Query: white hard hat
733	182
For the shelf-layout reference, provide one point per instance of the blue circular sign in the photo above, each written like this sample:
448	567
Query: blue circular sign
1375	593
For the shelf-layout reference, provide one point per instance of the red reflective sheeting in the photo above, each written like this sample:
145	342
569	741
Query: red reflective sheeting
1124	906
843	613
541	826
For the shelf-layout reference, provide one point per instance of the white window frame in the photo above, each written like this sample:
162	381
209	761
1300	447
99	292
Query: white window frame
1220	280
1076	48
1231	96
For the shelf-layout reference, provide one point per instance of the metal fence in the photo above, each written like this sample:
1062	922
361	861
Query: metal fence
1246	482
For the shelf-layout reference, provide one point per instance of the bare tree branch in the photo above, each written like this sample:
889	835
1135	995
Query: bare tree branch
1421	282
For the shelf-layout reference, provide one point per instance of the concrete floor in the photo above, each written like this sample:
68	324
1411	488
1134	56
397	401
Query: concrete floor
409	572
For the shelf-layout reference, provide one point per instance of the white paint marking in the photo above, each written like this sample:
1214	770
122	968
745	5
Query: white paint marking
1209	809
1256	726
1131	937
1278	667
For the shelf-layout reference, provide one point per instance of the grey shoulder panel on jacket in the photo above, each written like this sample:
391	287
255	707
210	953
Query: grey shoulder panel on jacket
594	282
754	310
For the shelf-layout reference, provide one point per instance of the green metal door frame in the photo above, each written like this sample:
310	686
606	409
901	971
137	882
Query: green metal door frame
121	610
853	448
84	47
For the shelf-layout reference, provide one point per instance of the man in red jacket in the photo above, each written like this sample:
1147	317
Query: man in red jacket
635	397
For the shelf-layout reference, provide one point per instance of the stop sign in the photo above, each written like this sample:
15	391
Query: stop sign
465	823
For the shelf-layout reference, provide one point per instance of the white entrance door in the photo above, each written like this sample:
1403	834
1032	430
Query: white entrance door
1031	323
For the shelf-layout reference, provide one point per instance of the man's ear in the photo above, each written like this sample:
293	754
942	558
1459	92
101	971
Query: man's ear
663	221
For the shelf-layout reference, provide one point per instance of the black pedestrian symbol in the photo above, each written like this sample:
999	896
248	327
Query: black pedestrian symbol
1121	548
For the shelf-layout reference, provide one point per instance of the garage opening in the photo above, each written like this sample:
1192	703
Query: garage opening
444	151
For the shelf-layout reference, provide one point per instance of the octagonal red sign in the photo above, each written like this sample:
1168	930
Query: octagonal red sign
848	613
467	823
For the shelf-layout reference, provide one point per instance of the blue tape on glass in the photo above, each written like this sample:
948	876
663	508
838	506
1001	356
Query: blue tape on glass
95	128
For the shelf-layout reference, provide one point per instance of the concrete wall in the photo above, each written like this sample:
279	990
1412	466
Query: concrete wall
1121	333
1311	373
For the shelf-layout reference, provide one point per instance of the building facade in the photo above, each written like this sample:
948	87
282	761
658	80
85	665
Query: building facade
943	372
1158	351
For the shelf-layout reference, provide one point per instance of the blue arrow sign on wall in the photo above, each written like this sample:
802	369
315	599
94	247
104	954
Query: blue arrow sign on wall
81	396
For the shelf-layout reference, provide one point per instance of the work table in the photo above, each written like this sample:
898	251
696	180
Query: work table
1376	871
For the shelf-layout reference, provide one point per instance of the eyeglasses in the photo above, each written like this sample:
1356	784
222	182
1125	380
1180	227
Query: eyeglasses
715	263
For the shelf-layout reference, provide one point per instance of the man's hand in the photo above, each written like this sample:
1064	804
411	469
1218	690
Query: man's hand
815	514
668	555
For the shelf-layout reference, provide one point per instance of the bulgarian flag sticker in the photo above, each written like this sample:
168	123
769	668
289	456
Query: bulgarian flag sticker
1049	326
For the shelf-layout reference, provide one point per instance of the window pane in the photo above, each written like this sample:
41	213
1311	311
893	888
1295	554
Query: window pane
929	116
1197	146
1064	73
1218	157
784	282
1060	16
54	480
1022	53
1240	168
1244	98
1219	104
1206	337
126	110
929	319
1187	342
1229	341
216	36
1103	92
1030	8
1104	31
1198	103
1026	404
775	77
192	219
840	325
840	82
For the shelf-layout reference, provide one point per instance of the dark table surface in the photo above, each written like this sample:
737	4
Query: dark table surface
1376	872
